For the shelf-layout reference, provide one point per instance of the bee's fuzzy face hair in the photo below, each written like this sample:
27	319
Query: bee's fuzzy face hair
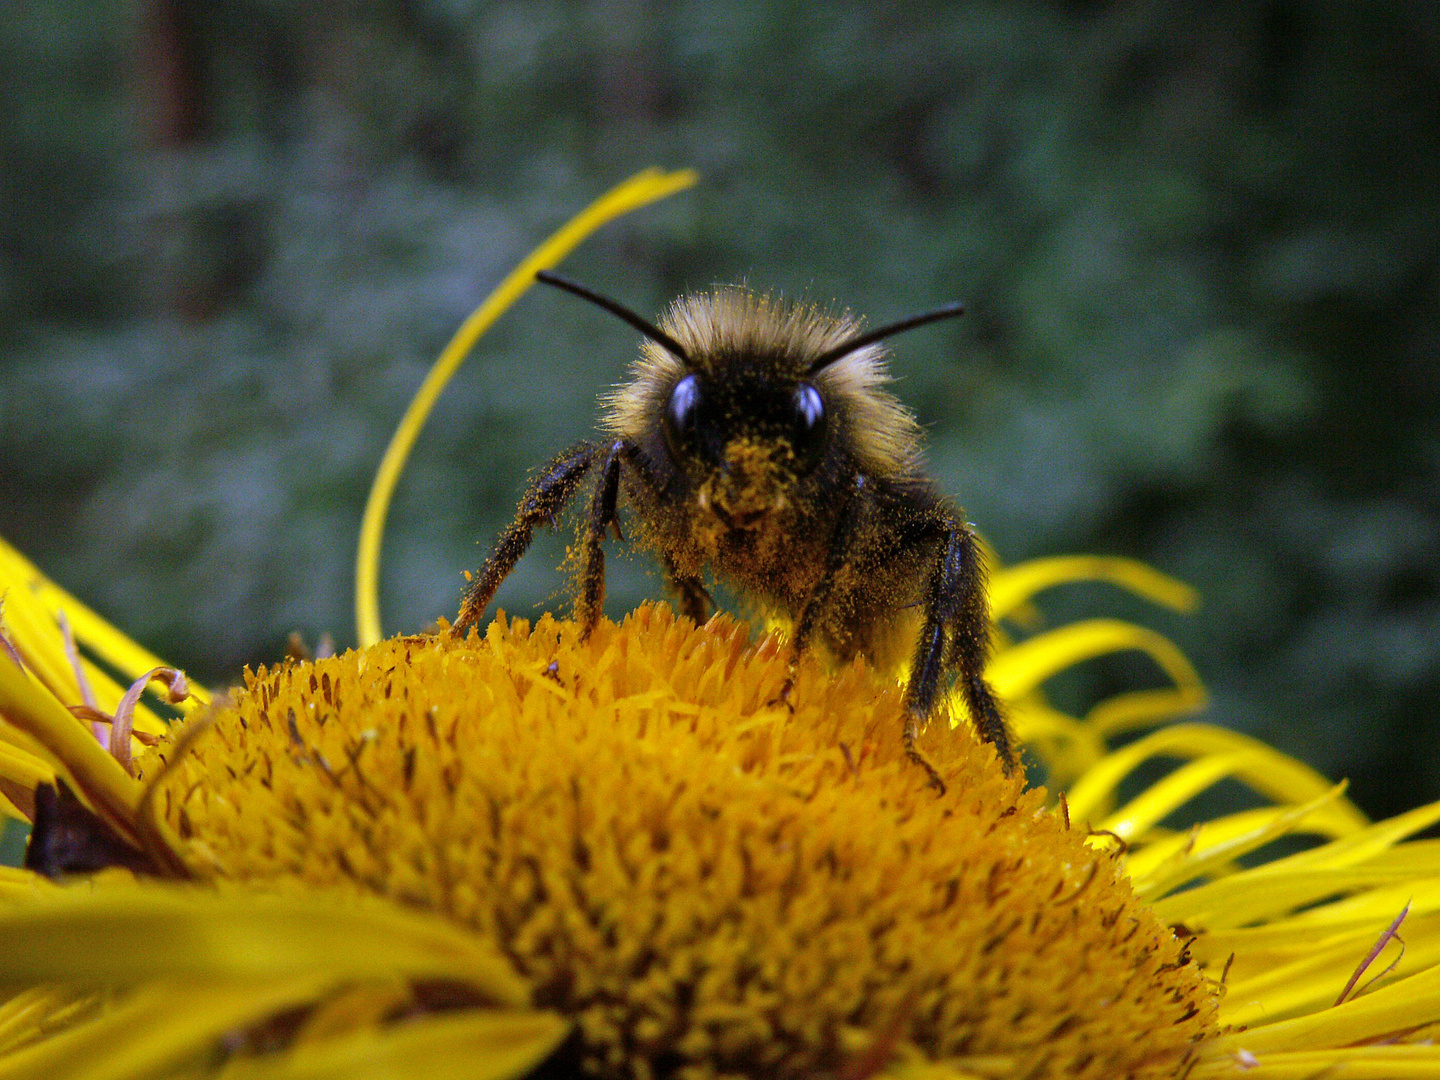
732	328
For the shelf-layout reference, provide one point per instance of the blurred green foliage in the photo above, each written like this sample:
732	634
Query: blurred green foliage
1197	243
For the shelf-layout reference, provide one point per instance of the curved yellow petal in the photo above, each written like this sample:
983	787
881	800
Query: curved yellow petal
1012	586
1067	745
1264	768
1250	765
1022	668
641	189
1144	708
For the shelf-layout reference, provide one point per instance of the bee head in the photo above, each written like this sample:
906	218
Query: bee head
707	415
742	434
739	396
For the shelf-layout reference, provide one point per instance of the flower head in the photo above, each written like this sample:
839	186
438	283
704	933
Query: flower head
703	880
623	856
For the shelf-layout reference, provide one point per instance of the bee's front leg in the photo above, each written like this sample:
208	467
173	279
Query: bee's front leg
590	599
546	497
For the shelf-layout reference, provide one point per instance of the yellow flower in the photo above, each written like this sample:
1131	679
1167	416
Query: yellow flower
483	857
472	854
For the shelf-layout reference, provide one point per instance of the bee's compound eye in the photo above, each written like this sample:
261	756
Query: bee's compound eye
808	437
680	413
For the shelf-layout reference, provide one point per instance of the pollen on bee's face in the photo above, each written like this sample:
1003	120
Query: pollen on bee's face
750	482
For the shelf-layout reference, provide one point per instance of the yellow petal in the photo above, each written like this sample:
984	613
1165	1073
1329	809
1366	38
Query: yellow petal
31	603
1024	667
1144	708
470	1045
1014	585
1313	981
146	931
1068	746
29	1013
1170	863
1359	846
1390	1009
17	884
95	775
1359	1063
146	1035
1239	899
23	769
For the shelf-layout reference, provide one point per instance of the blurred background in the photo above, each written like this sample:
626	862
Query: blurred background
1198	243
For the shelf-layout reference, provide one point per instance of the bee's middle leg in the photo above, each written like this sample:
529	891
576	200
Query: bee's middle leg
841	553
689	591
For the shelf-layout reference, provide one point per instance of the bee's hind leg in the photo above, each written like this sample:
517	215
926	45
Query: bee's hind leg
955	602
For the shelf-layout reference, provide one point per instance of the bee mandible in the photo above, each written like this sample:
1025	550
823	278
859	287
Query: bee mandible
755	439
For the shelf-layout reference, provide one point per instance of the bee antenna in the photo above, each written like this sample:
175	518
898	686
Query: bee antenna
654	333
829	356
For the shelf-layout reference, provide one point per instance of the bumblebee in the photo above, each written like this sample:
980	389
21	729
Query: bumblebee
755	439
